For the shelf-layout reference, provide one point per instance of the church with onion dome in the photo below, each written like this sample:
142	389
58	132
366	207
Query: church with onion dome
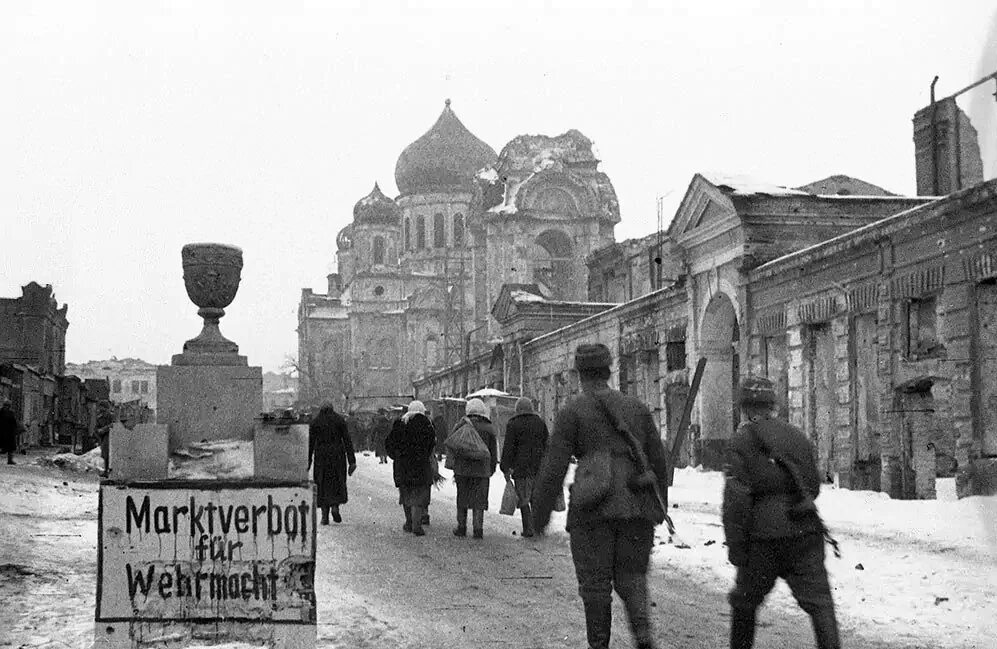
418	274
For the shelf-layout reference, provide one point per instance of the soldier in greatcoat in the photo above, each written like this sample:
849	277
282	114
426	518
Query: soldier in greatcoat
770	521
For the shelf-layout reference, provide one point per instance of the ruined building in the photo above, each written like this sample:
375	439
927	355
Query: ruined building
417	274
874	314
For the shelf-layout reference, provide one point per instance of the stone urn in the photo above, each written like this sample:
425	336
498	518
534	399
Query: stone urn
211	274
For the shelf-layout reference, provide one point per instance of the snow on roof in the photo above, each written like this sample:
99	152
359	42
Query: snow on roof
742	185
526	296
487	392
488	174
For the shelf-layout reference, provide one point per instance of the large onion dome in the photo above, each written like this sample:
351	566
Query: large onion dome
447	156
375	207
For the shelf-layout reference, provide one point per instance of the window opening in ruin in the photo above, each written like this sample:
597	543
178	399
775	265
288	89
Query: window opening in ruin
116	385
408	234
922	328
420	232
458	230
145	387
378	250
675	355
552	252
135	387
439	235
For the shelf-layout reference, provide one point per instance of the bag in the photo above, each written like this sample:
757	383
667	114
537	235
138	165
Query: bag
593	479
644	481
559	504
466	443
509	499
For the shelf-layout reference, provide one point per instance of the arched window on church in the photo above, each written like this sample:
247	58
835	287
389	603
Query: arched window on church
420	232
439	234
378	252
458	230
408	234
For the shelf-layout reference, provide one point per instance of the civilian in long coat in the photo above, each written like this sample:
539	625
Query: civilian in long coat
472	476
611	540
523	451
410	445
330	445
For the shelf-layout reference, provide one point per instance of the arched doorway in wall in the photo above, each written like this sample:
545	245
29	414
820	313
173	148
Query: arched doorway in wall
718	414
552	263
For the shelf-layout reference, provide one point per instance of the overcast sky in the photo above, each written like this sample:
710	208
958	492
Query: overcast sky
126	132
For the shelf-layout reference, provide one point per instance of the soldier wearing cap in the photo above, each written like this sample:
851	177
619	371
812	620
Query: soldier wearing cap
770	522
610	541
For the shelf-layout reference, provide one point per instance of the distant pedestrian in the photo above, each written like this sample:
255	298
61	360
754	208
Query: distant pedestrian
522	453
331	448
613	531
472	476
9	429
382	427
410	445
771	524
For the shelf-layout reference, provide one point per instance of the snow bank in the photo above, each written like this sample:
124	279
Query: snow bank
90	461
226	458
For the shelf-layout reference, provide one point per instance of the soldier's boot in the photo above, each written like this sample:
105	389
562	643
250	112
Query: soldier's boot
632	588
407	527
461	529
598	623
478	521
417	522
325	515
336	516
527	516
742	628
825	628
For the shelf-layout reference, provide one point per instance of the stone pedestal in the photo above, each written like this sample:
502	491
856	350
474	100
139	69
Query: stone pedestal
139	453
280	451
208	402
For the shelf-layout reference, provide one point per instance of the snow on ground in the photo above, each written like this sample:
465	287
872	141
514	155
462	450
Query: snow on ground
927	575
916	570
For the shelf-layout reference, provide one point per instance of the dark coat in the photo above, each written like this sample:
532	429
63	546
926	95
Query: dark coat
382	427
479	468
8	430
525	445
410	445
759	493
330	445
581	428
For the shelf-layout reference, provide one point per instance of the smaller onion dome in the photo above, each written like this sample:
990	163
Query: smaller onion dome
375	207
344	240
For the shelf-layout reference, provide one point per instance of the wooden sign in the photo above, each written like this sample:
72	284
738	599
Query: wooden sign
179	553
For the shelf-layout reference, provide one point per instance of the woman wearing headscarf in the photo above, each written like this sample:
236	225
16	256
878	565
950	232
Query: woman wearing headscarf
410	445
472	476
330	446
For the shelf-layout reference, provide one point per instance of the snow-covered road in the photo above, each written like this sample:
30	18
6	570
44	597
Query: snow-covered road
379	587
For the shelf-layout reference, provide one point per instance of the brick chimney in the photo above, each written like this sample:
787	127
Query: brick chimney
946	150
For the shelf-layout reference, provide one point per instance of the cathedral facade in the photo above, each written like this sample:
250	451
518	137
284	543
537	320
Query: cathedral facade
417	275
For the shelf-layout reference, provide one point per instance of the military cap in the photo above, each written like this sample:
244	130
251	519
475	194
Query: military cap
592	357
756	390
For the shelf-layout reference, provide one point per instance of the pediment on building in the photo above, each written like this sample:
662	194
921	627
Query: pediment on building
512	294
704	206
556	192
